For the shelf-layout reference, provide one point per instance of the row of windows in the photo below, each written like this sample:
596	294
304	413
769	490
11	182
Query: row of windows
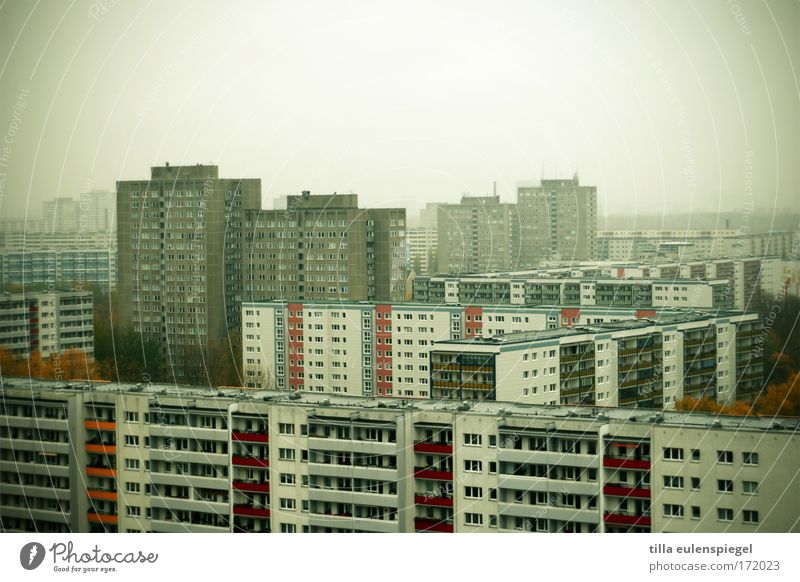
723	457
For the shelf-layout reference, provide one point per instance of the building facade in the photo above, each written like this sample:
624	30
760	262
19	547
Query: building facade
643	363
63	259
557	221
580	291
423	248
324	247
477	235
421	351
156	459
48	322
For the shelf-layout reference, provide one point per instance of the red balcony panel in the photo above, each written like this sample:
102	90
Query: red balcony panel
250	462
435	501
249	437
433	448
101	449
619	519
615	463
247	511
622	491
422	524
252	487
434	475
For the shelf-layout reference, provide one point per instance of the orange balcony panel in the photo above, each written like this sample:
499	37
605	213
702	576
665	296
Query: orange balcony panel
614	463
101	518
101	472
101	449
434	501
100	425
100	494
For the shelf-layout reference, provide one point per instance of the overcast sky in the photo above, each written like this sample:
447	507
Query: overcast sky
664	106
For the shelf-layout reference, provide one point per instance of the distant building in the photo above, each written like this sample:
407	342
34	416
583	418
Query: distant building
477	235
75	260
557	221
423	248
49	322
93	212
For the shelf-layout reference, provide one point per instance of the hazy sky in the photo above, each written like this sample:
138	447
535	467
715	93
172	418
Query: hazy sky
668	105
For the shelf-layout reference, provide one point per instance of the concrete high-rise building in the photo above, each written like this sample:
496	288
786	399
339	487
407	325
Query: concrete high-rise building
61	214
192	462
178	239
324	247
423	247
557	221
48	322
477	235
94	211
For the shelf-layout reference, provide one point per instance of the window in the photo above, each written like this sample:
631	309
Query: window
695	455
725	457
287	479
131	417
473	518
492	467
472	439
750	458
134	511
673	510
673	482
724	486
750	487
492	440
750	516
724	514
132	487
695	483
131	440
286	454
473	492
695	512
673	454
288	528
492	521
473	466
132	464
288	504
286	428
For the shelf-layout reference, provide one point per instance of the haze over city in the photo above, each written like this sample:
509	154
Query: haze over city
664	107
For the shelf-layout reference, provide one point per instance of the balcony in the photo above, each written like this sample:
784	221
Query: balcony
250	462
423	499
248	511
425	525
432	474
251	487
104	518
101	494
620	518
249	437
100	425
622	490
100	449
439	448
101	472
626	463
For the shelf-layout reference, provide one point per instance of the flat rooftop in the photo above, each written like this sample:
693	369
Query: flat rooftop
229	395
